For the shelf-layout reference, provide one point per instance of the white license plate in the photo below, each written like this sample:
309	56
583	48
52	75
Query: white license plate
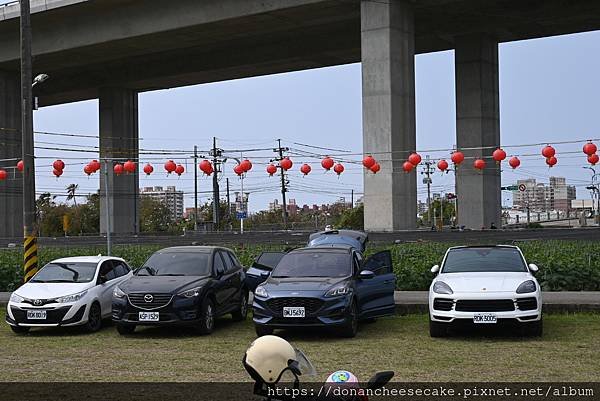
148	317
485	318
36	315
294	311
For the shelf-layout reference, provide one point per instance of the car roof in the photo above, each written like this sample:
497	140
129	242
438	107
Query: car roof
325	248
194	249
482	246
86	259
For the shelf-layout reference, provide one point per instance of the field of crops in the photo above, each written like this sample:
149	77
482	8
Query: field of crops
565	265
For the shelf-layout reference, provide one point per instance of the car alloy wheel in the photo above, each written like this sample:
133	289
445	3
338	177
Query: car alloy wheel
94	318
241	313
209	317
350	328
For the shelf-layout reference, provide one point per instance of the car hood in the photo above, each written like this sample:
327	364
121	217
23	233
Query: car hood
167	284
51	290
295	284
484	282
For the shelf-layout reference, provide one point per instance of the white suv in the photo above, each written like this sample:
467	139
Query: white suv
67	292
485	285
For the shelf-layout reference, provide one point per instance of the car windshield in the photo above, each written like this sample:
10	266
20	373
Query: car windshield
176	264
314	264
66	273
484	260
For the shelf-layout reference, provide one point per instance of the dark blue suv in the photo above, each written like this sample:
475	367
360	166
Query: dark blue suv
328	285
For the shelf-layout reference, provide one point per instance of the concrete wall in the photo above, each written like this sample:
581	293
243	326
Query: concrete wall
11	190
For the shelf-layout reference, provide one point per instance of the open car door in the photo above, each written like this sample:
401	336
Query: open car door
376	294
261	268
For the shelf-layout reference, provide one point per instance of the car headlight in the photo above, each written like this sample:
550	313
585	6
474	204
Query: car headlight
261	292
191	293
17	299
526	287
118	293
71	298
338	291
442	288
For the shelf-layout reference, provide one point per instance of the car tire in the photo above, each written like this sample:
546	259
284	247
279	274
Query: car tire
94	322
350	328
20	329
242	312
263	331
437	330
125	329
535	329
206	323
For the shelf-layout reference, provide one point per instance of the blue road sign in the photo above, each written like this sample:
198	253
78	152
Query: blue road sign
242	215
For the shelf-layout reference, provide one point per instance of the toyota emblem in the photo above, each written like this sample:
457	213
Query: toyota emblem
37	302
148	298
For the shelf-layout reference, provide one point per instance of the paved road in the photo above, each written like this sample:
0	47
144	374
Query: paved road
300	237
416	301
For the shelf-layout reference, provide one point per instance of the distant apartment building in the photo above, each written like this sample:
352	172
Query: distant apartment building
168	196
541	197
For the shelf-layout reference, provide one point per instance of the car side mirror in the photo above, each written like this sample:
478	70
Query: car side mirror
366	275
435	269
102	279
533	268
265	274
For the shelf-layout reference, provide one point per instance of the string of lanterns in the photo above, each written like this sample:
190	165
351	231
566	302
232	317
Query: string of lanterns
327	163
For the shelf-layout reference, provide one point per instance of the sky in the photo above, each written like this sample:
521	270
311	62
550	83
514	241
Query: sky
549	92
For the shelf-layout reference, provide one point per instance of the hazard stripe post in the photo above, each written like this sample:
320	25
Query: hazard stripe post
30	258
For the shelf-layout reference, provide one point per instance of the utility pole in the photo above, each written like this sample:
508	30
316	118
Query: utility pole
216	153
228	202
107	164
195	188
428	169
352	199
30	261
284	212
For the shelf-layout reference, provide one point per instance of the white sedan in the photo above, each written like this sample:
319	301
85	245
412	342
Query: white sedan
485	285
74	291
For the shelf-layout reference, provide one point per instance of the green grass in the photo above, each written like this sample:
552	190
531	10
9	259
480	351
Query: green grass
566	352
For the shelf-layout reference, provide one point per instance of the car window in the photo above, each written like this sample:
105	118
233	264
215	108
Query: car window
228	263
380	263
107	270
356	266
55	272
314	264
218	266
492	259
268	260
176	263
121	269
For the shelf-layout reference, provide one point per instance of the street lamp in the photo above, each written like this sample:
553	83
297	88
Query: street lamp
41	78
595	189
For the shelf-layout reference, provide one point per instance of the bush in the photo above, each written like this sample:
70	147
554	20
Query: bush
564	265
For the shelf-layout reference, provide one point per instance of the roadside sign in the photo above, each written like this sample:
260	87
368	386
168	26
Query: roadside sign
510	188
242	215
522	188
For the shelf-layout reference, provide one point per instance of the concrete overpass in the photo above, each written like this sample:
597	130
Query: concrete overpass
114	49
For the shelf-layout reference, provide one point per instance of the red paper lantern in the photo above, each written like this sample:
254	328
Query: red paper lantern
499	155
170	166
58	165
129	166
271	169
206	167
20	165
514	162
479	164
95	165
246	165
369	161
327	163
57	173
593	159
238	169
88	169
338	168
286	164
3	175
148	169
590	148
179	170
407	167
551	161
548	152
458	157
375	168
443	165
415	159
118	169
305	169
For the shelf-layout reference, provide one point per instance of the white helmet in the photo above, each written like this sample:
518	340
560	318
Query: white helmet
269	357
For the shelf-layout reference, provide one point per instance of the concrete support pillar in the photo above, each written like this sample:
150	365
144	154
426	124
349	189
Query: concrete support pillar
478	125
119	140
11	190
388	83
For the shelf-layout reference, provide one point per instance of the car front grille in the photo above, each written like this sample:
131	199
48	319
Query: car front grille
39	302
485	305
527	303
443	304
140	300
53	316
311	305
